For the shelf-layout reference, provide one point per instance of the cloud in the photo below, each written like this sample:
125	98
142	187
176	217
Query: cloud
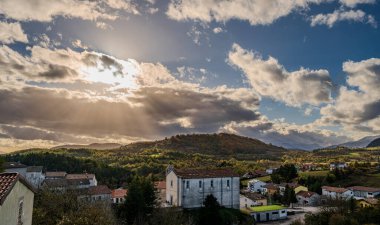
286	135
270	79
46	11
11	32
357	106
126	5
256	12
342	15
354	3
217	30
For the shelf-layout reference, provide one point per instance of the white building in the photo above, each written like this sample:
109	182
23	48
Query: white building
83	176
336	192
270	170
256	185
188	188
16	200
338	165
251	199
361	192
35	176
307	198
118	195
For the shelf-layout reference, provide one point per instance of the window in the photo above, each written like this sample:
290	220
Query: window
200	184
283	211
20	211
274	213
228	183
212	183
171	183
171	199
187	184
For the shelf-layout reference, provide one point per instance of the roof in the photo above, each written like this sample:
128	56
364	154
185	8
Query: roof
77	182
10	165
255	181
160	185
271	186
205	173
55	183
362	188
99	190
254	196
265	208
80	176
8	181
291	185
55	174
34	169
334	189
119	193
306	194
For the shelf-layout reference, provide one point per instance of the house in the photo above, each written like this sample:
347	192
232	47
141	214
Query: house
188	188
96	194
336	192
118	195
297	187
364	192
55	175
35	176
268	213
250	199
83	176
307	198
16	200
368	202
270	170
161	192
338	165
254	174
256	185
270	189
15	167
55	184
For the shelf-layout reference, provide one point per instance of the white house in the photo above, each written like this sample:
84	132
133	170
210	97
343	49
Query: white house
251	199
361	192
270	170
188	188
338	165
336	192
256	185
307	198
35	176
16	200
118	195
83	176
268	213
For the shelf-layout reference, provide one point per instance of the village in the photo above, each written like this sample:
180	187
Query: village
183	188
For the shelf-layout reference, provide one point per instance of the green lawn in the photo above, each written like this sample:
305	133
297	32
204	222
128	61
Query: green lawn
266	208
264	179
370	180
321	173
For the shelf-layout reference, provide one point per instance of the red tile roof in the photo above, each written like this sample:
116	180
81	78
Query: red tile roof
306	194
99	190
7	181
334	189
160	184
119	193
362	188
204	173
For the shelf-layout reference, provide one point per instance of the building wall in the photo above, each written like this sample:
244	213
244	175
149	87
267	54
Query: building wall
247	202
256	185
193	196
35	178
10	209
172	191
270	215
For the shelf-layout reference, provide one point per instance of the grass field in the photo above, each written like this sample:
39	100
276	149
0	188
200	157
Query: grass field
267	208
321	173
370	180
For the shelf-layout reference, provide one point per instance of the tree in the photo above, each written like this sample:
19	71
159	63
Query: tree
1	164
289	196
285	173
140	201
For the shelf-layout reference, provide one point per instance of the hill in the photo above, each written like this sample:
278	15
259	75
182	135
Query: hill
96	146
361	143
211	144
374	143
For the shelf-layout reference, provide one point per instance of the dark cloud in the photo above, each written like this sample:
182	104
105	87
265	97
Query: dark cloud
57	72
152	112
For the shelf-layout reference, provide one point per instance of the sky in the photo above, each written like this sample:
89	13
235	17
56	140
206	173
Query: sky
301	74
